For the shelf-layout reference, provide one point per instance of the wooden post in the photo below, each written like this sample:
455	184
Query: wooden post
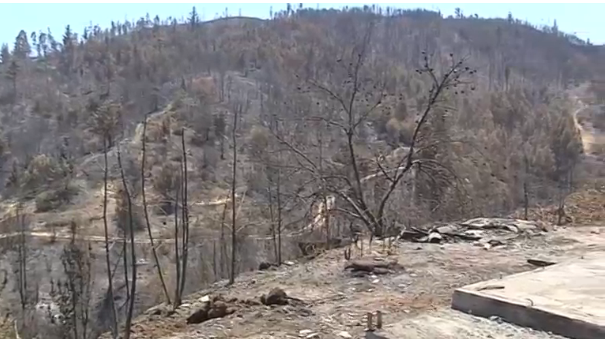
378	319
369	322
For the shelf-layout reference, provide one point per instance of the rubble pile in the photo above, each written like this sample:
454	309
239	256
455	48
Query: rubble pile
488	232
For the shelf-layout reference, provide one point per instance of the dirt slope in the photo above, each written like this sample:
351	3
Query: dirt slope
334	303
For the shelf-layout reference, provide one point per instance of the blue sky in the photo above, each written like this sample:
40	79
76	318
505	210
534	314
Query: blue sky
583	19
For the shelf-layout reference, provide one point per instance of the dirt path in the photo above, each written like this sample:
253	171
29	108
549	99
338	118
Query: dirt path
590	136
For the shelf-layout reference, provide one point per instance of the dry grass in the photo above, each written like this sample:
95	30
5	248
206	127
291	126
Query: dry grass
587	207
7	329
584	207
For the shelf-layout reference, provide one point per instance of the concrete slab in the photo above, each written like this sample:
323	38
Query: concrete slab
566	299
450	324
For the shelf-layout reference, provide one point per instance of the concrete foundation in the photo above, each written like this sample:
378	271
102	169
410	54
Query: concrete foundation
567	299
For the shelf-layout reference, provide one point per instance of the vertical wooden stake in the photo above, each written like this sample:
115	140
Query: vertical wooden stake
369	324
361	247
378	319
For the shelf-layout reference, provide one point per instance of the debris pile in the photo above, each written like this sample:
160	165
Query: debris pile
489	232
216	307
277	296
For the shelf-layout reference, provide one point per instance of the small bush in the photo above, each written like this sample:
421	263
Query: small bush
53	199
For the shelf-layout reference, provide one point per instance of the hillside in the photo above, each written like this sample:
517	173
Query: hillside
384	118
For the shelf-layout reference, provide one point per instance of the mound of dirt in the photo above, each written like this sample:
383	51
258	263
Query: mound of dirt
585	207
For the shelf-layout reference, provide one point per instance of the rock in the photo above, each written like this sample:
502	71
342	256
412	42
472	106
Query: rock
435	238
345	334
264	266
252	302
161	309
289	263
276	296
540	263
304	333
370	266
211	309
200	315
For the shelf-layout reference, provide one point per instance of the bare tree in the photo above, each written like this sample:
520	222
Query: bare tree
133	258
219	129
22	255
223	261
177	294
357	100
114	316
75	294
146	212
236	112
184	218
240	106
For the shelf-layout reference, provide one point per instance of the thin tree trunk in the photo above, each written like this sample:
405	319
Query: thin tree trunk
273	223
279	218
177	295
223	244
133	256
525	189
233	210
184	218
125	264
114	316
22	260
214	264
146	212
525	200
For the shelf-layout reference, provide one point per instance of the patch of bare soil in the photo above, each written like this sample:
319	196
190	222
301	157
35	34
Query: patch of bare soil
328	298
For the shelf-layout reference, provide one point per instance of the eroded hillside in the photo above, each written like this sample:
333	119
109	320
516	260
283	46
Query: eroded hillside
321	124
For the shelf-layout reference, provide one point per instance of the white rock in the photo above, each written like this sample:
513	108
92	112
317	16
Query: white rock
345	334
304	333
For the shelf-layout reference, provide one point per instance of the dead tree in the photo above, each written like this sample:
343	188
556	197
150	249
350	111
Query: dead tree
146	212
74	296
22	255
357	97
177	257
273	173
104	121
184	218
181	231
236	113
133	258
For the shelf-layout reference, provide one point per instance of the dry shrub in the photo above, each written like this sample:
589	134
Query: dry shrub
165	180
41	170
7	329
159	130
122	214
204	87
54	198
